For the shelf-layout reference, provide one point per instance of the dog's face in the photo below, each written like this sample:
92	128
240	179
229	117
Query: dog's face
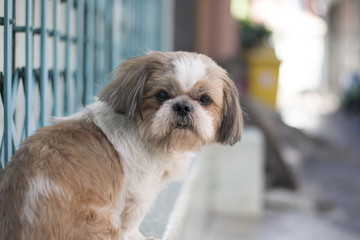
180	101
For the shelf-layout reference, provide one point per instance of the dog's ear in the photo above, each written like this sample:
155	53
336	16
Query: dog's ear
232	122
124	92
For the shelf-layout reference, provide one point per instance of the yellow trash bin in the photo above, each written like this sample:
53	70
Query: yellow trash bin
263	74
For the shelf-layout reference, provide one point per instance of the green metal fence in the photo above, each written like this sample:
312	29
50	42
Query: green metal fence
56	55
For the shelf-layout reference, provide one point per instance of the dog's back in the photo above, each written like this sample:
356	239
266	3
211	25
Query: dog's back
50	189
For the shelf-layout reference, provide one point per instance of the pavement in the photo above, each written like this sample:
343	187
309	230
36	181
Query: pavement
325	158
331	172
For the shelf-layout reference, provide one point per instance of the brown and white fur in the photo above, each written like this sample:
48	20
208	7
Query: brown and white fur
95	174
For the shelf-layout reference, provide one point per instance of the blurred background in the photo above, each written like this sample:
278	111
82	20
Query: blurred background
296	64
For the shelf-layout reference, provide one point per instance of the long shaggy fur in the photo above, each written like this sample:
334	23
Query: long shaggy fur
95	174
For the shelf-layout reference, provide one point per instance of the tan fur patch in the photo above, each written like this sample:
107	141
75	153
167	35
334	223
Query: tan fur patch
66	158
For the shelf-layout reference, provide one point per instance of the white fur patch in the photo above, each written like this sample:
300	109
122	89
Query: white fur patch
143	166
75	116
203	122
39	187
119	130
189	70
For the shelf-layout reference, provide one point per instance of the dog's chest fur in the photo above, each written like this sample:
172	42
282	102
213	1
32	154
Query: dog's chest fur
146	170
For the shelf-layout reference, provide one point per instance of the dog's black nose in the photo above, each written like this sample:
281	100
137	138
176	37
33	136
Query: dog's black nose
182	108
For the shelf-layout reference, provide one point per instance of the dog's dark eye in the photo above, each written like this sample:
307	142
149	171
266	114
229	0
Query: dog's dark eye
162	96
205	100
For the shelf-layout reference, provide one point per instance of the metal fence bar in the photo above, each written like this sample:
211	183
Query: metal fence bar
115	52
125	29
56	75
28	69
89	59
137	31
150	30
8	69
79	45
102	46
144	29
43	61
68	75
98	44
108	32
14	90
149	24
133	43
158	25
104	36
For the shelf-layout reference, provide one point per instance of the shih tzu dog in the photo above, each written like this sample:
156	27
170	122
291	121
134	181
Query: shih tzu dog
95	174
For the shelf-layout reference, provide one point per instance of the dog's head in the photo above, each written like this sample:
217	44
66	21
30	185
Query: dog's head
180	101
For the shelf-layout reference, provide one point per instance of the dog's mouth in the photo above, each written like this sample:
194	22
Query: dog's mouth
184	124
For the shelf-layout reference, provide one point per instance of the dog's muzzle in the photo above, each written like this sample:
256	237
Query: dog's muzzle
183	110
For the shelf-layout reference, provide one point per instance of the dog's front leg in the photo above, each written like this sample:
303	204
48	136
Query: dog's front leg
133	214
132	231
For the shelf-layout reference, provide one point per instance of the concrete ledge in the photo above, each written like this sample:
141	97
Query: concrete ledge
237	176
227	180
